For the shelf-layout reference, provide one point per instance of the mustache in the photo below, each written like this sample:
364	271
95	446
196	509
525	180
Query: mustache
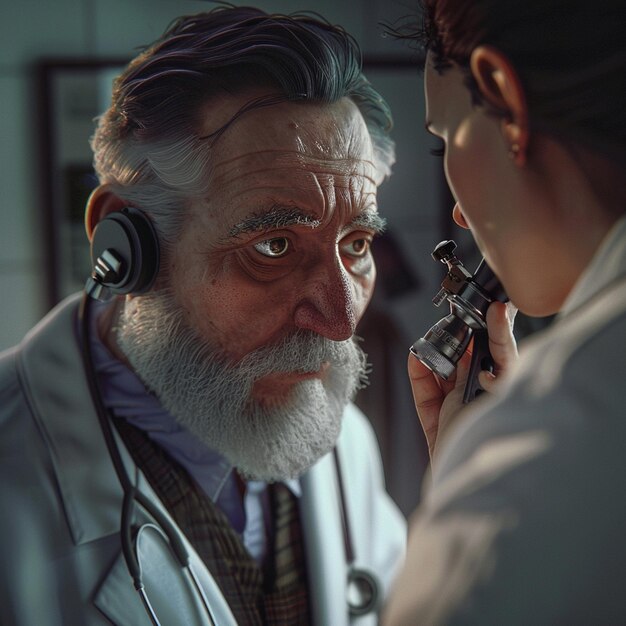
211	395
302	351
299	351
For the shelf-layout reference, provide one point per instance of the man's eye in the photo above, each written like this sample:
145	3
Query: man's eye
357	247
276	247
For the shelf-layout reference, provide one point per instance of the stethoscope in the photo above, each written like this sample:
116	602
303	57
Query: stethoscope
363	587
130	534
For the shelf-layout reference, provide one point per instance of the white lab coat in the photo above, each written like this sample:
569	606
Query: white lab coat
61	562
524	520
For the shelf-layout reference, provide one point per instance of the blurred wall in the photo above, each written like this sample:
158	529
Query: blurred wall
32	31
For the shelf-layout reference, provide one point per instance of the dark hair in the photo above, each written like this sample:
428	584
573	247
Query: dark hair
147	144
569	54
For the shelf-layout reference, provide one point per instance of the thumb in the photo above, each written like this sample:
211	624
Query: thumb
502	344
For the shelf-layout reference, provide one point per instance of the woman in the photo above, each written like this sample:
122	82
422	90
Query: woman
523	521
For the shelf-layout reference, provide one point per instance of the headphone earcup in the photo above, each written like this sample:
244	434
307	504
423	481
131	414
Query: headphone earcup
130	236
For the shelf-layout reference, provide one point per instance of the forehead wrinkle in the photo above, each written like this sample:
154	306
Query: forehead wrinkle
257	163
303	185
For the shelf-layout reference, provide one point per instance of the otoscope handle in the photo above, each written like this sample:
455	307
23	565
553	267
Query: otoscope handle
481	360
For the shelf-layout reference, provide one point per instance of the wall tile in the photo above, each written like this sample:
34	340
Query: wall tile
122	26
19	240
411	195
24	307
30	29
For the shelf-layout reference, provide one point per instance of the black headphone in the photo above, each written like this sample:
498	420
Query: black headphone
124	254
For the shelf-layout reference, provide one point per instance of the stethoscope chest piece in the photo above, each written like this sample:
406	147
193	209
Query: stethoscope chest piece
363	591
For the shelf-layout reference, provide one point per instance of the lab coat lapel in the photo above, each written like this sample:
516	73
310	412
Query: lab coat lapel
118	600
51	367
91	492
169	589
324	543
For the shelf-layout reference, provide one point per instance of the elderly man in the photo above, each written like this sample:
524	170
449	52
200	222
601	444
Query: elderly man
194	434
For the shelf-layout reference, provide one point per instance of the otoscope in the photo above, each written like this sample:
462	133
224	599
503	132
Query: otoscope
469	296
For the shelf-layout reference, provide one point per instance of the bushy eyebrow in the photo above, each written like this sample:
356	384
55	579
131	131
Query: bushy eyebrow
284	216
370	220
277	217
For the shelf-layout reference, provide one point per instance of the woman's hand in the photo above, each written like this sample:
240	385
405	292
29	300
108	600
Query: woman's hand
439	401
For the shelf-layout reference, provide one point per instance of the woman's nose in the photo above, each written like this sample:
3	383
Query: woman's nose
458	217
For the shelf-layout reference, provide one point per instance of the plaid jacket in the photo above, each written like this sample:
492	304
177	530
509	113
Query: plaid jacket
275	594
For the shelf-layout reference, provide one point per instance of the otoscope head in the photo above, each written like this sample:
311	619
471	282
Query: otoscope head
469	297
443	345
444	251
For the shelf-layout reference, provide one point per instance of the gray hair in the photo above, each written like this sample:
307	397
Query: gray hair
147	146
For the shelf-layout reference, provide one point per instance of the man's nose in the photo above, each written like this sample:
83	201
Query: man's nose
327	302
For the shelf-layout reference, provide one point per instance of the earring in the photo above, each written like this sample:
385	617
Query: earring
513	151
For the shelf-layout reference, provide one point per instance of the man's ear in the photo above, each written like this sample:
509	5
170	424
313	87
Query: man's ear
101	202
501	87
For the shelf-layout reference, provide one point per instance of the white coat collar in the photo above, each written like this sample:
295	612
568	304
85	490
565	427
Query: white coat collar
50	364
607	265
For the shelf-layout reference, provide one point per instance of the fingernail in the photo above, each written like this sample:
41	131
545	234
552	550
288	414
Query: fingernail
511	312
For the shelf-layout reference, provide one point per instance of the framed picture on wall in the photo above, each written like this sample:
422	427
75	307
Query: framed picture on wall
72	93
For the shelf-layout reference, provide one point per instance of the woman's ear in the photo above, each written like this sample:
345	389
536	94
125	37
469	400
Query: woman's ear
501	87
101	202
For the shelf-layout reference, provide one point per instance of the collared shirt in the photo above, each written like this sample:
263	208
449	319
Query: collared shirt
126	397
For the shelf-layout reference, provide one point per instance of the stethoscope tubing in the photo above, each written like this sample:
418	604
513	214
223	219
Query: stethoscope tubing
363	579
132	494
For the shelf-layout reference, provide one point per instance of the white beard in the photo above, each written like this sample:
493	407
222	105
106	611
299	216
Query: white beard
212	399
